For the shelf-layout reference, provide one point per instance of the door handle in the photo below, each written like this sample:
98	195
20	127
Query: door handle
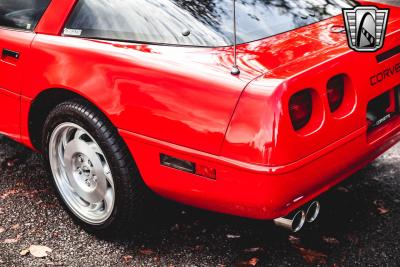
10	53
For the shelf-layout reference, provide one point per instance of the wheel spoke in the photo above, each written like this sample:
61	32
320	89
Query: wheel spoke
105	167
61	155
74	145
94	206
78	134
108	174
93	146
61	147
65	182
68	185
64	139
97	163
109	200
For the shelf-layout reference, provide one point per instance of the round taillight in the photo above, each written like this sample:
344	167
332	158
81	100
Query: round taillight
335	92
300	108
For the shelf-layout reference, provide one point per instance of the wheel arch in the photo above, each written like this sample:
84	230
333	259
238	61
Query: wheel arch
41	106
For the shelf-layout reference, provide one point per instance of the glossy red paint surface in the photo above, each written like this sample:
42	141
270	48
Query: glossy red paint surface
11	79
183	101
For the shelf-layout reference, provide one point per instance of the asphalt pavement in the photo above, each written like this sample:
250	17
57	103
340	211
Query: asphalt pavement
358	226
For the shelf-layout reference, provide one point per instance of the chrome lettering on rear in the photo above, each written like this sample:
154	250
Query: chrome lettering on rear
380	121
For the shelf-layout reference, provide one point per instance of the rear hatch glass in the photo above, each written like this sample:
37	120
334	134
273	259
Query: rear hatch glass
196	23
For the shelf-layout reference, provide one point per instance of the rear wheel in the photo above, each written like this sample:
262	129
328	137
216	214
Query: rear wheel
93	171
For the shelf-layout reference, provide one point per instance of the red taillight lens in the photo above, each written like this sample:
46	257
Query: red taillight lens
300	108
205	171
335	92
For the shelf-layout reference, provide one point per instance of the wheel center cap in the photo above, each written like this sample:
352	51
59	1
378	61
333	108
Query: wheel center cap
84	170
85	177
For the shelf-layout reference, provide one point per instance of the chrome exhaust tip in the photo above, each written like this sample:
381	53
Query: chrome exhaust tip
292	223
313	211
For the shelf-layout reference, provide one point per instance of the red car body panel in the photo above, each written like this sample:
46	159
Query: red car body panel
184	102
11	80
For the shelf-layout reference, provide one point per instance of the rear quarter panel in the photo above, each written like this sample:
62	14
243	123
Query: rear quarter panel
180	95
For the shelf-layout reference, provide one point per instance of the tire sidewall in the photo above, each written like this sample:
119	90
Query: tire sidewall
94	128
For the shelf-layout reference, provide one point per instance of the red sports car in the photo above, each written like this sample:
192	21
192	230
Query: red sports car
125	96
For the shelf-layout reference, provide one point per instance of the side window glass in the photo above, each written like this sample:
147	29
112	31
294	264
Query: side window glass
21	14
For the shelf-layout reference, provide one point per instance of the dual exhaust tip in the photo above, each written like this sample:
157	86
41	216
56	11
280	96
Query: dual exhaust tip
296	221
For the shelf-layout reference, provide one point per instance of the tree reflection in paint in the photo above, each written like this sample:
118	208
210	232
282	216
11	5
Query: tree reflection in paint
209	22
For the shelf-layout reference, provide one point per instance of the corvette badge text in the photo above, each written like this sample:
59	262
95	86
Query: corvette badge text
385	74
365	27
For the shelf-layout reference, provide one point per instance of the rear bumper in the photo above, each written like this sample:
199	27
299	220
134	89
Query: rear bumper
255	191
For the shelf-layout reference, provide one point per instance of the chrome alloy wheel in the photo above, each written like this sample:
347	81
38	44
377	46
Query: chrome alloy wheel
81	173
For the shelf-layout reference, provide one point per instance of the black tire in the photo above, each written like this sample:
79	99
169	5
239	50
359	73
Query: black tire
130	190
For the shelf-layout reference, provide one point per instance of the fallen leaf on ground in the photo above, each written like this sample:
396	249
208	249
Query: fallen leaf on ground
11	162
233	236
127	259
343	189
38	251
294	240
330	240
380	206
24	252
12	240
15	226
2	230
383	211
312	256
9	193
255	249
253	261
146	252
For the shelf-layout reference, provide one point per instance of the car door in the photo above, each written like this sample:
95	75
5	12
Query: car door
18	19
